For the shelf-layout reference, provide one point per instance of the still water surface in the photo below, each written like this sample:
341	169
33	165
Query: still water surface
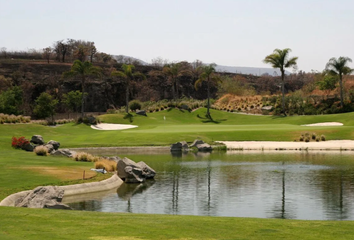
301	185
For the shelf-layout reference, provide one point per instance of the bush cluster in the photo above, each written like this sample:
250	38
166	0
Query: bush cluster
88	120
295	104
41	150
307	137
59	121
109	165
85	157
5	118
19	142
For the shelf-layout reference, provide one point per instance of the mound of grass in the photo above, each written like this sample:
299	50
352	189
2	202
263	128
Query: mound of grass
109	165
41	151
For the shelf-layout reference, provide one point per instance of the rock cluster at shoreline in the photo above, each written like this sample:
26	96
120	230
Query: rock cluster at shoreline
183	146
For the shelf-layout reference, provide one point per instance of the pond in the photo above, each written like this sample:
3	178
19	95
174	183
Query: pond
288	185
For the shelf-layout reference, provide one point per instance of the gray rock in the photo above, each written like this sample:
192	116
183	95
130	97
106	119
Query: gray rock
134	175
63	152
204	147
55	144
132	172
114	158
141	112
196	142
43	197
179	146
37	139
28	147
148	172
50	148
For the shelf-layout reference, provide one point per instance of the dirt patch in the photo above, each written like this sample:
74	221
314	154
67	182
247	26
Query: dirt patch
63	173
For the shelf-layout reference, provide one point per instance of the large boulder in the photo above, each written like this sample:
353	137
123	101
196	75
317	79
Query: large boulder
204	147
141	112
43	197
28	147
196	142
37	139
201	146
50	148
179	146
132	172
55	144
148	172
63	152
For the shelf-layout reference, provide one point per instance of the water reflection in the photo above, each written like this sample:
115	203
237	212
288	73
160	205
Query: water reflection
287	185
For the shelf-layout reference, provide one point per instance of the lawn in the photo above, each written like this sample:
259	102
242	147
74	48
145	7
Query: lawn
22	170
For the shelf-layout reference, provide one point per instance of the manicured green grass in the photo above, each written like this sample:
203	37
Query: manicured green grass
21	170
55	224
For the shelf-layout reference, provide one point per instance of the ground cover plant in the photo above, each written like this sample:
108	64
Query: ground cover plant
22	171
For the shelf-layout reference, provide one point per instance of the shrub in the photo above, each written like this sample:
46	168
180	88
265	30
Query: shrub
323	138
109	165
307	139
85	157
41	151
134	105
19	142
301	138
111	111
313	136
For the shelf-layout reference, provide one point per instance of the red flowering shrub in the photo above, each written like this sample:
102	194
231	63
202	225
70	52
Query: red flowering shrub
19	142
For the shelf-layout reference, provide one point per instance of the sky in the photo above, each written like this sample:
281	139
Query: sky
226	32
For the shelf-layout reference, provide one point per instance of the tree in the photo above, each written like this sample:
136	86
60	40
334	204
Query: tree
207	75
280	59
47	53
328	83
128	76
45	106
4	52
92	50
73	100
174	71
11	101
83	70
339	67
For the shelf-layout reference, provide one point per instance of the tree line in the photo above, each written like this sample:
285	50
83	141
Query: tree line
102	83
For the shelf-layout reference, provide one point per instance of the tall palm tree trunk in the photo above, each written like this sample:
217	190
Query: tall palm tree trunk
83	96
127	99
283	93
208	104
341	90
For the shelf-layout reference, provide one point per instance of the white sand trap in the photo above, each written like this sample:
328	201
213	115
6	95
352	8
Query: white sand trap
324	124
270	145
112	126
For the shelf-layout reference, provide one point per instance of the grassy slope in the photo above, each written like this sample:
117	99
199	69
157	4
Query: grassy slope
21	170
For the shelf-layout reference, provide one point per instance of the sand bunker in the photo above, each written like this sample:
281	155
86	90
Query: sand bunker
269	145
111	126
324	124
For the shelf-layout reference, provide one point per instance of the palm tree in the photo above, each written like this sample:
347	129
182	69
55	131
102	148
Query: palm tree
83	70
280	59
208	75
128	76
174	71
338	67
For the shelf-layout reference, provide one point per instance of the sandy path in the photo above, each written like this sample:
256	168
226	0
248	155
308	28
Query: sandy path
270	145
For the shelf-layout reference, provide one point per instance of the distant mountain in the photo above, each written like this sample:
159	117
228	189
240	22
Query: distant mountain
219	68
249	70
